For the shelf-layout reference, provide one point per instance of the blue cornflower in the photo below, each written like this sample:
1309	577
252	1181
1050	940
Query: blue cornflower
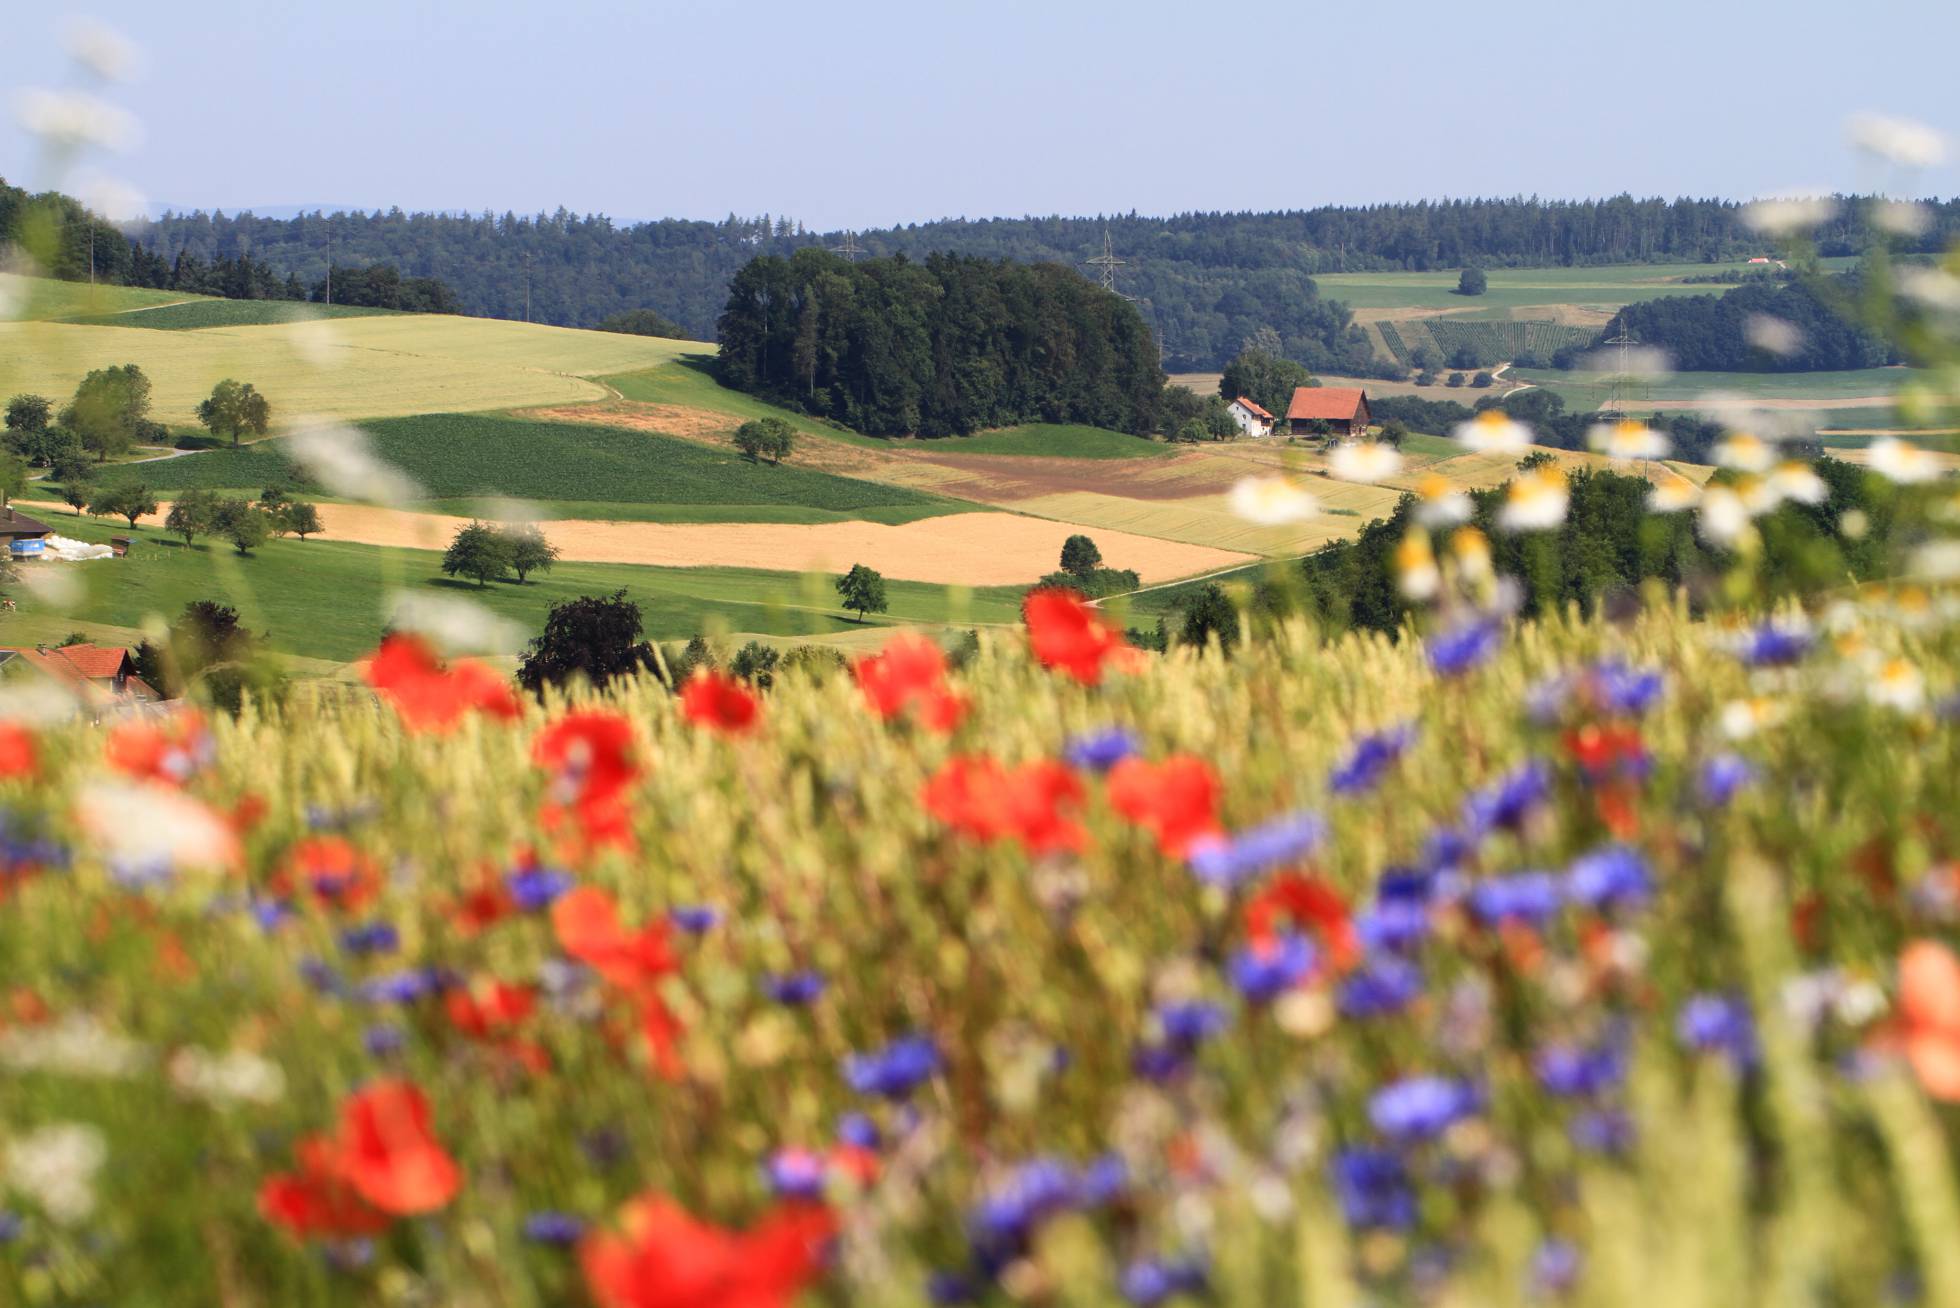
1457	650
1392	924
10	1226
383	1040
1773	645
553	1228
1627	691
1717	1023
1099	751
694	918
795	1173
141	873
371	938
1188	1024
321	977
1609	877
1373	1187
322	818
1528	897
271	914
1509	800
1721	777
1369	759
1554	1268
533	888
1148	1281
1447	849
795	988
1102	1180
1575	1073
896	1070
858	1130
1245	855
402	987
1420	1108
1264	971
1603	1131
1386	984
1001	1224
946	1288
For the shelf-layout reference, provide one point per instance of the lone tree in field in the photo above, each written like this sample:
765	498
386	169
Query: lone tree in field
132	502
863	590
1080	556
109	405
235	408
478	551
299	517
77	482
529	550
241	522
1211	614
191	514
595	637
765	438
1472	282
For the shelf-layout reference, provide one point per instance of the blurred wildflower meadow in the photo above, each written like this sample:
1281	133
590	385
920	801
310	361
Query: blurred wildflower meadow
1596	960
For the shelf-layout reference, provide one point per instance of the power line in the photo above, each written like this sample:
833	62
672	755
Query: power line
1106	265
850	249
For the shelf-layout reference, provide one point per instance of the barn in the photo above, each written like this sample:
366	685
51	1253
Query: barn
1343	411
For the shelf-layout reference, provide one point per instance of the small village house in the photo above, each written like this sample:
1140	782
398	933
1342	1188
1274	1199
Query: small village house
1252	420
102	678
24	537
1342	409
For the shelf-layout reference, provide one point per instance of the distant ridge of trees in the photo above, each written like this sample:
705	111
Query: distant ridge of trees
1206	281
942	347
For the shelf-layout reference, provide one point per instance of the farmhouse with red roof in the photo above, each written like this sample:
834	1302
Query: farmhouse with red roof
1344	410
1252	420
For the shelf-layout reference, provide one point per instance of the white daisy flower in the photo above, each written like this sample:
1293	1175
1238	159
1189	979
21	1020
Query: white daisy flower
1415	567
1674	495
235	1076
1768	332
454	624
1722	517
343	461
1901	461
1364	461
1796	481
1745	453
101	49
1758	495
1902	217
1537	501
1743	718
1786	216
147	826
1897	685
1937	560
73	120
1627	439
1272	501
1472	551
1493	432
55	1165
1933	287
1440	502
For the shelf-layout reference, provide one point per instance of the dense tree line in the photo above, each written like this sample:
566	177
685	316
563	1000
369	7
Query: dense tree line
1206	282
942	347
1691	437
78	246
1717	333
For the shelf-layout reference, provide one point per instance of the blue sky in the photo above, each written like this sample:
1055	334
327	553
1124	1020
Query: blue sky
864	113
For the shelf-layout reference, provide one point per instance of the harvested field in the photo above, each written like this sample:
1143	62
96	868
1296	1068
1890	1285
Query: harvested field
1200	520
962	549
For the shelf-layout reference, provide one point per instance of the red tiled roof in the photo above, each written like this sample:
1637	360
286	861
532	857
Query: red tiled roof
1255	408
1326	403
96	662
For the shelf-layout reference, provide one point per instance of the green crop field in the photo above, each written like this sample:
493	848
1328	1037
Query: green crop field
195	315
458	457
1583	390
325	599
1054	441
685	381
1521	288
1491	340
41	298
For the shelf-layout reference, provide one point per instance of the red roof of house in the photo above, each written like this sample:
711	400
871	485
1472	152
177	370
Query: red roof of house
96	662
1254	407
1326	403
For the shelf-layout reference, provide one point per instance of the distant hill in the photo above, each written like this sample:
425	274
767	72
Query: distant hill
1207	281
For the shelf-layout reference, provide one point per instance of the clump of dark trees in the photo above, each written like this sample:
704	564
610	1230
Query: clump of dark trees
947	346
1710	333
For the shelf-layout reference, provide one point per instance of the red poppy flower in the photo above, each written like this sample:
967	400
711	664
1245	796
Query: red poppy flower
430	697
979	798
1176	800
317	1199
660	1031
338	874
588	928
483	904
1310	904
18	756
1929	1009
1607	753
171	751
718	701
910	675
488	1008
661	1256
1069	635
387	1152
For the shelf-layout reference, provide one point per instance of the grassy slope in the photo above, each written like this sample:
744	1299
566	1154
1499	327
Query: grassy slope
1582	390
323	598
1052	440
457	457
196	315
1514	288
386	365
39	298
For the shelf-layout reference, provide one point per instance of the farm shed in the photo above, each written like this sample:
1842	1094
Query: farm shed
1343	408
25	538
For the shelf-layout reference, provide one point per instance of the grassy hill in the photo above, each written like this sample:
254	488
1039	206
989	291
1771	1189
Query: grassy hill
568	469
195	315
38	299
